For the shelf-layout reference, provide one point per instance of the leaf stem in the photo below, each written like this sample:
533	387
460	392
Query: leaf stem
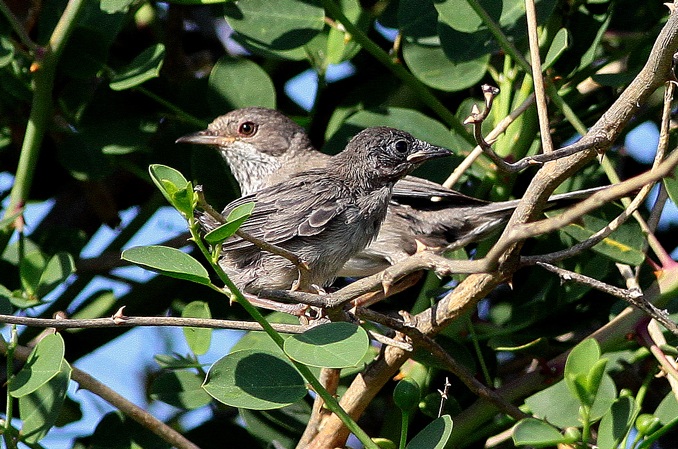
404	424
8	434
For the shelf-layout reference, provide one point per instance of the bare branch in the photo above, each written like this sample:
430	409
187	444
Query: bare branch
538	78
633	297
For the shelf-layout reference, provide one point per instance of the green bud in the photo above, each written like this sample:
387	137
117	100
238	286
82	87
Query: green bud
407	394
647	424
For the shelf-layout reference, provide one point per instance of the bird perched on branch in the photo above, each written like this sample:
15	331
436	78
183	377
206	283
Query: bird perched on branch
323	215
263	146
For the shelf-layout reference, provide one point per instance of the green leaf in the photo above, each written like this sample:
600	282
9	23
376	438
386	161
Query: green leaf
40	409
6	51
198	339
330	345
255	380
283	425
580	362
5	300
168	261
174	187
430	63
30	269
557	405
227	90
113	6
59	267
671	184
667	410
582	357
558	46
43	363
537	433
595	376
616	423
234	220
176	361
181	389
434	435
622	245
142	68
279	25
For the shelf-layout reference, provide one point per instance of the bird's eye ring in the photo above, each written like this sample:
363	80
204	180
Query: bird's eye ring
401	146
247	129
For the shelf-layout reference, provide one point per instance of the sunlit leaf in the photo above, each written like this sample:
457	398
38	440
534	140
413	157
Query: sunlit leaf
168	261
142	68
233	222
331	345
227	91
43	363
198	339
58	269
616	423
537	433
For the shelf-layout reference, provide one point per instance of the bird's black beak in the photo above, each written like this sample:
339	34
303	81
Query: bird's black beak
204	138
427	152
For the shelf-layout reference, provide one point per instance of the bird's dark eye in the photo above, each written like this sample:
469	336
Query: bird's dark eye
401	146
247	128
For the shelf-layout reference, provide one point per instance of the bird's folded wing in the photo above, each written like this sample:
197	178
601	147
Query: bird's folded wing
415	191
281	213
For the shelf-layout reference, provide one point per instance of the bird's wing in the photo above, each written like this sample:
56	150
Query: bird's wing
289	210
418	192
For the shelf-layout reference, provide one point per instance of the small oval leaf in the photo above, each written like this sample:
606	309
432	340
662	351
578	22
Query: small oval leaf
331	345
59	267
254	380
40	409
537	433
198	338
43	363
142	68
168	261
181	389
234	220
434	435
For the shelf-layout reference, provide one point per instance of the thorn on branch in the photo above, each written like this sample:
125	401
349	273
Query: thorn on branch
444	395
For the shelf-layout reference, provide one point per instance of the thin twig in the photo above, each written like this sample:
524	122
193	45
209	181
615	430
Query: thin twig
519	232
501	127
594	239
633	297
456	368
140	321
538	78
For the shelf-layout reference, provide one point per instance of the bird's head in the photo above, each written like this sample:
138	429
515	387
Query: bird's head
255	142
386	155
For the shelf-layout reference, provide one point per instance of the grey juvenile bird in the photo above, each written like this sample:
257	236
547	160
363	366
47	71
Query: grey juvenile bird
323	215
263	146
